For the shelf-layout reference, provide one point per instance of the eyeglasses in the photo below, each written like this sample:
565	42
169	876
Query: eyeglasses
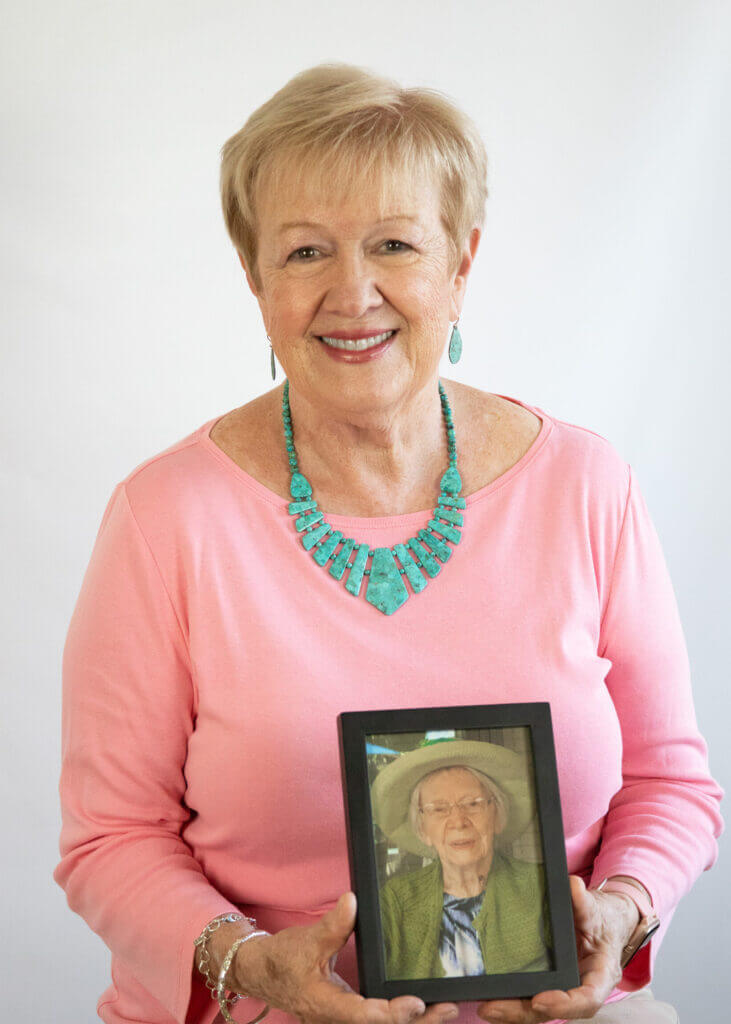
473	808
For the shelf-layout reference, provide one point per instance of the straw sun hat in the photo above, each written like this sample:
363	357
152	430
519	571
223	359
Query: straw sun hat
392	788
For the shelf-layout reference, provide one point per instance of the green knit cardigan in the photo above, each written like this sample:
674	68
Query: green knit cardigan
512	925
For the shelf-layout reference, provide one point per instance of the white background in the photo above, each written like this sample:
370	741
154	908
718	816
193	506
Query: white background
601	294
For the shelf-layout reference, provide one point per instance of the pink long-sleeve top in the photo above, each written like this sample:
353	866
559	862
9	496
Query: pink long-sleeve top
208	657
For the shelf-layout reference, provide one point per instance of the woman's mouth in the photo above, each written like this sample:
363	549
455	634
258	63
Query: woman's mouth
460	844
357	350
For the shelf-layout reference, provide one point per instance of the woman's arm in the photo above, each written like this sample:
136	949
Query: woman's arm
128	709
662	825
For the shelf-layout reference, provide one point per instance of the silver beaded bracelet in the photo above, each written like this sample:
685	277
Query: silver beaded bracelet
217	986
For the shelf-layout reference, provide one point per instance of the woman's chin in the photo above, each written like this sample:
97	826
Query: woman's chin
463	854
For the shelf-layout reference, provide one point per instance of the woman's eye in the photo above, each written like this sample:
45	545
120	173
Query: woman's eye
304	253
304	249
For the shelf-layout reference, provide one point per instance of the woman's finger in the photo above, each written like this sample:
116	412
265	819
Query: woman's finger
599	975
583	1001
332	1001
572	1005
404	1009
510	1011
439	1013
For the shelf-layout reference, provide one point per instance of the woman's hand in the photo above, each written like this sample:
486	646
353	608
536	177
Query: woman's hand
603	923
293	970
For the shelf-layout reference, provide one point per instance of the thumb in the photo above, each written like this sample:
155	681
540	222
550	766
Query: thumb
578	888
583	899
336	925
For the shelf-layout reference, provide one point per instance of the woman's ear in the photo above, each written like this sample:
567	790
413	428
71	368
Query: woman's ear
249	279
420	834
501	816
460	280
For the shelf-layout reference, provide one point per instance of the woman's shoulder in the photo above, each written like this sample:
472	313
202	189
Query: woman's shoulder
408	885
168	469
180	485
238	436
506	431
251	438
493	433
574	439
526	874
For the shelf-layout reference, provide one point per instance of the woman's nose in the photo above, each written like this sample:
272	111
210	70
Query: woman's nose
352	288
458	816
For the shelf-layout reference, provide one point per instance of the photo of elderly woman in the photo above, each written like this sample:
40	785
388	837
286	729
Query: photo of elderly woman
450	812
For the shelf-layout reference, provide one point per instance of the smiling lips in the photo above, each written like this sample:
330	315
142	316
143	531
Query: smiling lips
355	342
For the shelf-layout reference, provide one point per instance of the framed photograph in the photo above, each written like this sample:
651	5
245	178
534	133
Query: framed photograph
457	852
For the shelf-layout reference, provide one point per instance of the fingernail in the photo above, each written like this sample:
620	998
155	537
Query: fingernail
450	1015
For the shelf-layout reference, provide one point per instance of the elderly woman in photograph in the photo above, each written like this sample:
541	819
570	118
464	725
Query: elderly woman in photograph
475	909
366	535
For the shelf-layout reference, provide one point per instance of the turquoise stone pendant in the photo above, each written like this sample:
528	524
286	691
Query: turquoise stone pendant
310	539
452	481
416	561
301	506
338	567
299	486
455	345
423	556
386	590
413	575
449	516
446	531
357	570
309	519
323	552
440	550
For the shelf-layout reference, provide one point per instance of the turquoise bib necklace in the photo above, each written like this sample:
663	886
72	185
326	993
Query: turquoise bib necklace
386	589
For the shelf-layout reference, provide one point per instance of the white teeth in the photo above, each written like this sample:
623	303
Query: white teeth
357	344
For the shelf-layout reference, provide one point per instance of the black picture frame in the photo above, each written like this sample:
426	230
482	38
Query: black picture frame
361	736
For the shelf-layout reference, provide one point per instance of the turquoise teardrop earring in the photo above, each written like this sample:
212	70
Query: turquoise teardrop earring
386	589
455	343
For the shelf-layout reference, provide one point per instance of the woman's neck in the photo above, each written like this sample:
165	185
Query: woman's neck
372	461
466	881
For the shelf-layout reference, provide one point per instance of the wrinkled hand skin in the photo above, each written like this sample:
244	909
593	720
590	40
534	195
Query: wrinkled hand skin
603	923
294	971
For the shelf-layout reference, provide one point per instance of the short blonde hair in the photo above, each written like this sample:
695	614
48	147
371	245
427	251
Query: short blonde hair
348	125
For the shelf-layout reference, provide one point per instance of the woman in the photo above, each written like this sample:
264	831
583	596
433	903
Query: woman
209	653
475	909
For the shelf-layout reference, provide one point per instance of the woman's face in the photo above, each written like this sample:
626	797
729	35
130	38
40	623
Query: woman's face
347	265
465	836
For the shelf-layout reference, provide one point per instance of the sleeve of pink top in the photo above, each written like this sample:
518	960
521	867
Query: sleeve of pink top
662	825
128	709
